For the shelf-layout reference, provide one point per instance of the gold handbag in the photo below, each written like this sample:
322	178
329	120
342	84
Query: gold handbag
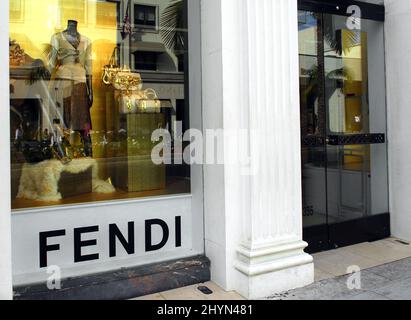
110	70
132	99
149	102
128	103
139	102
127	81
129	86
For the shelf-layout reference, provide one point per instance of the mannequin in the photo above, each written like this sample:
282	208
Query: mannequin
71	62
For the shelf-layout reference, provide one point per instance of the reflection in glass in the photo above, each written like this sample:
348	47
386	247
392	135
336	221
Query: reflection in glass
75	137
342	92
312	119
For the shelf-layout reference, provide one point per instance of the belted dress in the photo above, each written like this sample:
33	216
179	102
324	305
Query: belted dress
71	64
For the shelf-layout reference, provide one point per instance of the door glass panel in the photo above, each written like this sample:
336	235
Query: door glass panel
312	120
343	128
355	102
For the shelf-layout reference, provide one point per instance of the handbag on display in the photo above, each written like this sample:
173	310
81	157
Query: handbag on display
149	103
127	81
36	151
120	77
132	98
139	102
129	85
128	103
112	68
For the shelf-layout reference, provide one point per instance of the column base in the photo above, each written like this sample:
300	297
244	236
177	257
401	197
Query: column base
271	269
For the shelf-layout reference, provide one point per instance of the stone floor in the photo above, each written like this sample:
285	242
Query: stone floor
385	274
192	293
390	281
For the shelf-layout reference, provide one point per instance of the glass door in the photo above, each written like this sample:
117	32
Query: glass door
313	128
343	126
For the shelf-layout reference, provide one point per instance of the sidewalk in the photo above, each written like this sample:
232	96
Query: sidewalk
192	293
391	281
385	274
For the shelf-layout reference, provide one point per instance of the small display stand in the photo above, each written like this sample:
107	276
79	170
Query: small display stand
133	168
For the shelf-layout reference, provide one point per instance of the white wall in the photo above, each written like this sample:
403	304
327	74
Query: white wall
212	93
5	237
398	61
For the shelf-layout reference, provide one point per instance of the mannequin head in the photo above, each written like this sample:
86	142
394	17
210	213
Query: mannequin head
72	25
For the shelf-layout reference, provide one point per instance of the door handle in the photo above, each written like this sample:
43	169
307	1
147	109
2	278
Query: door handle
356	139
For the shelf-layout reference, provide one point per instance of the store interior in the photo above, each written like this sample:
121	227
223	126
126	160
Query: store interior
88	88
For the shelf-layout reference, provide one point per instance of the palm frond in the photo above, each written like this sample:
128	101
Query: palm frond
314	74
339	74
333	38
172	26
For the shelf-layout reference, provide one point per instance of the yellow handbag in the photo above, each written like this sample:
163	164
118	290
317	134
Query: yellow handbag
129	85
149	102
127	81
128	103
112	68
139	102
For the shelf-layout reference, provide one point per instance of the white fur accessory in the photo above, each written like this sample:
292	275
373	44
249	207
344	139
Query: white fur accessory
40	181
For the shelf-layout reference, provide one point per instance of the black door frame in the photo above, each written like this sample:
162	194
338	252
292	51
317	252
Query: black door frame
339	7
369	228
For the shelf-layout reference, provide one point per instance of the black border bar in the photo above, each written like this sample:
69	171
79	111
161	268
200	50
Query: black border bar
339	7
356	139
347	233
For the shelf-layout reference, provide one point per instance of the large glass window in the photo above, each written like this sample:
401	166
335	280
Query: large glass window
89	86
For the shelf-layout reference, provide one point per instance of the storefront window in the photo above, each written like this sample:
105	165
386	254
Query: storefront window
90	82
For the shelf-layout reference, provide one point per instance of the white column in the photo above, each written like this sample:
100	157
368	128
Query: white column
5	226
398	70
251	82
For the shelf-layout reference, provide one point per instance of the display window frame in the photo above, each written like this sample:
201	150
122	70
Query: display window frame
150	78
27	224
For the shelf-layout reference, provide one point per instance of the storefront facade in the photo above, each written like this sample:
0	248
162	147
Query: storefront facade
299	108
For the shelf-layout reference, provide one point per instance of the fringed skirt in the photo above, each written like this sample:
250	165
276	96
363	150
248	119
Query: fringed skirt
76	110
